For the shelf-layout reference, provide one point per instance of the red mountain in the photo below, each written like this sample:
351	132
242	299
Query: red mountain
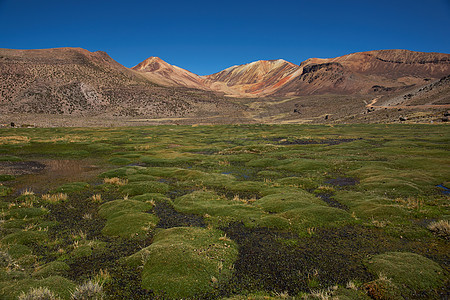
361	73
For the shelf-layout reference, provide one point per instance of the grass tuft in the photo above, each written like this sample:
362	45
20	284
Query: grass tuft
54	198
40	293
440	228
116	181
88	290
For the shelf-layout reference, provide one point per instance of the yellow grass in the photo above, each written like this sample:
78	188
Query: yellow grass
441	228
14	139
54	198
96	198
115	181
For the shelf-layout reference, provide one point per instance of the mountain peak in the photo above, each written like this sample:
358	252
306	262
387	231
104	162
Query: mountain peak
151	64
161	72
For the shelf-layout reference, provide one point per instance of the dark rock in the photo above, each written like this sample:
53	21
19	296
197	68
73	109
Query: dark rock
402	119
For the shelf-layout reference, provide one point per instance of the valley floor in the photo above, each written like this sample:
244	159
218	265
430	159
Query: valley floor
248	211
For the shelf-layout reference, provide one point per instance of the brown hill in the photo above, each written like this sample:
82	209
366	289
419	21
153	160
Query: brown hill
78	82
158	71
367	72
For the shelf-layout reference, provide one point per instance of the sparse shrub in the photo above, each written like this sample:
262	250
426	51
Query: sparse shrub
88	291
116	181
54	198
440	228
40	293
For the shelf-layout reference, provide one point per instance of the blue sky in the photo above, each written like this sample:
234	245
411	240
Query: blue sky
207	36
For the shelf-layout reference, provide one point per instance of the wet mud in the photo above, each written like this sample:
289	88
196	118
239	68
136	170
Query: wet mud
329	142
342	181
21	167
328	199
169	217
281	262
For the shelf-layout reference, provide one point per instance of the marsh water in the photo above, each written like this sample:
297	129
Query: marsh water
42	175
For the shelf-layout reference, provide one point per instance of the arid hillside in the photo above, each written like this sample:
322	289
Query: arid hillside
255	79
358	73
73	81
159	71
368	72
68	86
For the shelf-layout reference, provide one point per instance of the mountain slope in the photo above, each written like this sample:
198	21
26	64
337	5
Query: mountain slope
76	81
159	71
258	78
362	73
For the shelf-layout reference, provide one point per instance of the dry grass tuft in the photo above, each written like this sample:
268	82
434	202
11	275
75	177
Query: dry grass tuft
27	192
54	198
87	216
14	139
411	202
440	228
97	198
351	285
224	163
116	181
102	277
88	290
311	230
225	238
142	147
325	294
379	224
41	293
325	189
243	200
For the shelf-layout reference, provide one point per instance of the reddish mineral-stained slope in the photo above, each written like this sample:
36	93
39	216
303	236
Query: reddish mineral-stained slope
159	71
367	72
258	78
360	73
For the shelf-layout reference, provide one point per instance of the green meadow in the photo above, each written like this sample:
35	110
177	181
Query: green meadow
225	212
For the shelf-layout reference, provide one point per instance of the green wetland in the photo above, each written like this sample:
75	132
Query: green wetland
225	212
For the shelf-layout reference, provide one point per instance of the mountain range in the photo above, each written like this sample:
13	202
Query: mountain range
363	72
74	81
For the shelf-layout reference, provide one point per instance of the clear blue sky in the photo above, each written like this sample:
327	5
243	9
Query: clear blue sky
207	36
